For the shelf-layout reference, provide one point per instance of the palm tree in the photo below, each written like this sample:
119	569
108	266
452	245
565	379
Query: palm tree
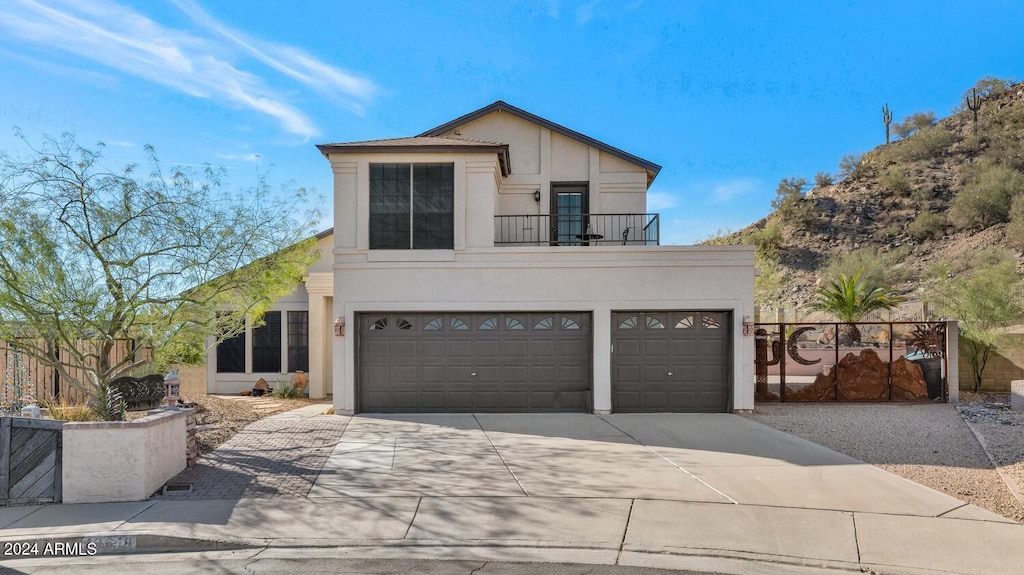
849	299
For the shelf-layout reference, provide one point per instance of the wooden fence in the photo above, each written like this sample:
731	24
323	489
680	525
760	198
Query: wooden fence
31	375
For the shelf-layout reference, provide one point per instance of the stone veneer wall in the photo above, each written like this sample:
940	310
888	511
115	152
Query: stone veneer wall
1004	365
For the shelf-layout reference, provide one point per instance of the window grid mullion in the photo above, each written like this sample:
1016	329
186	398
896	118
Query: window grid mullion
412	215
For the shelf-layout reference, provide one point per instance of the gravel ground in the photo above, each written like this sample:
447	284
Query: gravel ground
924	442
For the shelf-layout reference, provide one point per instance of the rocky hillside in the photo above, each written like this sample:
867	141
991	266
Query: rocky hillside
942	191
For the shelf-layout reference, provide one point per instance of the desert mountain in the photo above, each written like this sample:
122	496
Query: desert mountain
938	191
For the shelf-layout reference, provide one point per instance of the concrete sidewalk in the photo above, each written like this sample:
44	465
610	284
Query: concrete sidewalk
715	493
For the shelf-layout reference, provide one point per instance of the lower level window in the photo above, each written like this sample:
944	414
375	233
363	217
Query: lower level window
231	355
266	344
298	341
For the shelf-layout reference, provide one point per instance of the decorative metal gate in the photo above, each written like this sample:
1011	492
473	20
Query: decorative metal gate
863	361
30	460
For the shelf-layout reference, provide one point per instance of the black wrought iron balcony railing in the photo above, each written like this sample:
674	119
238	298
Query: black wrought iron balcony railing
577	230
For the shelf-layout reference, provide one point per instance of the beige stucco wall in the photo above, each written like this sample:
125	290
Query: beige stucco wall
592	279
122	461
305	297
540	157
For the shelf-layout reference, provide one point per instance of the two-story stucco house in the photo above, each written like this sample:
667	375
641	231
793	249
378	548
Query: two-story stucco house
502	262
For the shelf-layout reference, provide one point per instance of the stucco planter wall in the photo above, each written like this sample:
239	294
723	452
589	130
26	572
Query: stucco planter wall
108	461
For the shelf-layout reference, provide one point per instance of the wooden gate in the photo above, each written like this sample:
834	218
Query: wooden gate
30	460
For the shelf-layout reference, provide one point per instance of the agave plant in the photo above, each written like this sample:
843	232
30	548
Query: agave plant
849	299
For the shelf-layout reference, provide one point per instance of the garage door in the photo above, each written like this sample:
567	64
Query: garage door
474	362
671	361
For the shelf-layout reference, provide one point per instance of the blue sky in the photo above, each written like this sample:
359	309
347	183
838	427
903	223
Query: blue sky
729	97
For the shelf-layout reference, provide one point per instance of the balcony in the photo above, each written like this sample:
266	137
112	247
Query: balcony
576	230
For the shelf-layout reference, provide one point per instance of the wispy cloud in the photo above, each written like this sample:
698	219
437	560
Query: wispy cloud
348	89
728	190
240	157
657	201
201	66
585	12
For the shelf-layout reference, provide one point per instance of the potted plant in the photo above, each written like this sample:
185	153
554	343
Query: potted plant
929	341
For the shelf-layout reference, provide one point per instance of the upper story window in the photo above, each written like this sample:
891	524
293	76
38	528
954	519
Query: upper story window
412	206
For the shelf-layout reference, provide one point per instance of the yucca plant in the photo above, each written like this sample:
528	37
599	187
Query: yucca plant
849	299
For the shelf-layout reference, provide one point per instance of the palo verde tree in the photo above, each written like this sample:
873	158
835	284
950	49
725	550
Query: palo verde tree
983	293
93	256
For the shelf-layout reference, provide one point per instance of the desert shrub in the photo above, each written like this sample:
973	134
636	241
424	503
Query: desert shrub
895	179
721	237
922	194
770	284
985	87
67	411
874	267
852	166
927	225
804	214
1015	229
986	197
767	240
914	123
285	390
822	179
926	144
789	192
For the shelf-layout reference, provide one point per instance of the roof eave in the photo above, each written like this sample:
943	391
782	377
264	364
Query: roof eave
500	150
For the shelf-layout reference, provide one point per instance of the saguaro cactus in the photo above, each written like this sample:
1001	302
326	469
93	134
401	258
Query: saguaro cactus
974	104
887	119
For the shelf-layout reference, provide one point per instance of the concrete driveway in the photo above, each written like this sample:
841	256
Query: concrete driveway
713	458
717	493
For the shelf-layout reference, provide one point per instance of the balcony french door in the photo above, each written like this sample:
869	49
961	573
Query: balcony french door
569	206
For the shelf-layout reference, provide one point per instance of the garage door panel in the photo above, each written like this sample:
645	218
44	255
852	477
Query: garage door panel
514	348
486	400
625	400
654	374
430	374
458	348
544	374
488	348
627	348
515	399
431	349
655	348
402	348
540	348
685	347
377	348
474	362
403	374
459	400
570	376
693	346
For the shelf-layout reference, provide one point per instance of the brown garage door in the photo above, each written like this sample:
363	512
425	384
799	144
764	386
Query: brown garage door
474	362
671	361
